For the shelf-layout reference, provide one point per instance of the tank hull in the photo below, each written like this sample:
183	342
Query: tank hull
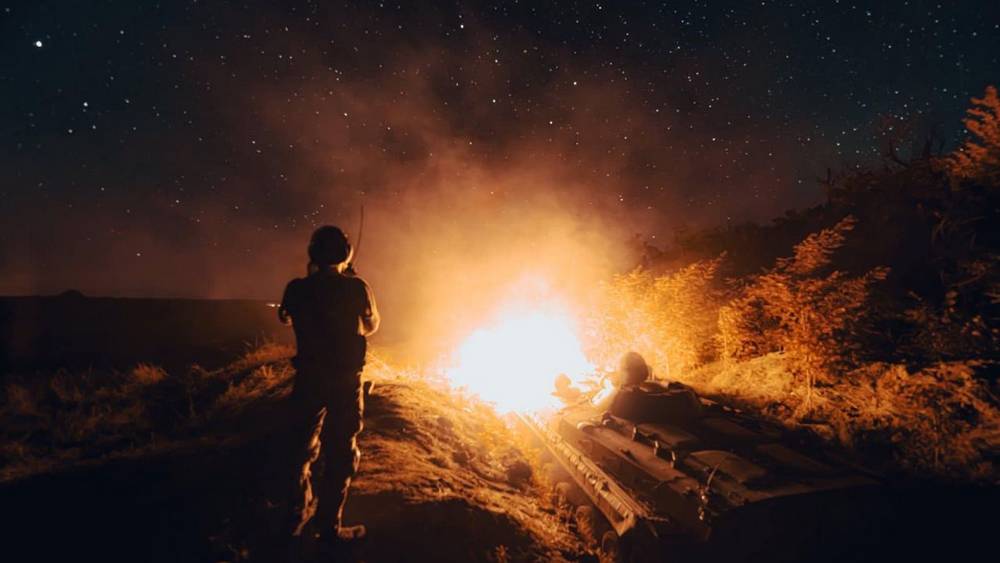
712	484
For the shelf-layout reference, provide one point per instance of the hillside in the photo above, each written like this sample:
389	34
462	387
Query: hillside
440	474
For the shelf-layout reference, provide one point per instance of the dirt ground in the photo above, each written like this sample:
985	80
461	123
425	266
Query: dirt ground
441	479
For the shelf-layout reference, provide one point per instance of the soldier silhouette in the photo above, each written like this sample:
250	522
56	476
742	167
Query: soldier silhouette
331	311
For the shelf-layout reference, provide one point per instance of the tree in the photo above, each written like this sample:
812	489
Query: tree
802	306
670	319
978	159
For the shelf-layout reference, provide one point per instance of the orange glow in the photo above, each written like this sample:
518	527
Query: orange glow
514	359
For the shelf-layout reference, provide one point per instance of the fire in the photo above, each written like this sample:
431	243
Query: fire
513	361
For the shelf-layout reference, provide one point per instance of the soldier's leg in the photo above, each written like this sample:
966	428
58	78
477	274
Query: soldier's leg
341	456
309	473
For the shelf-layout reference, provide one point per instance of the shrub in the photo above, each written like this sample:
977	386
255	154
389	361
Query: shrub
943	418
803	308
904	368
145	374
670	319
978	159
264	381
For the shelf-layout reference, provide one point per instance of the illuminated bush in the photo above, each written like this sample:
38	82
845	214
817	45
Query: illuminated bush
978	159
670	319
902	369
941	419
802	307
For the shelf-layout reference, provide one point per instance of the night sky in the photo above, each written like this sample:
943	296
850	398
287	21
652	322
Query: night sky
188	148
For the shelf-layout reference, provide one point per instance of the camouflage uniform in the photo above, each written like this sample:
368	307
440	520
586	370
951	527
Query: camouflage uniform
331	314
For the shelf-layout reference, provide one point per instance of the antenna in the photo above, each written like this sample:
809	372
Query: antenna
361	232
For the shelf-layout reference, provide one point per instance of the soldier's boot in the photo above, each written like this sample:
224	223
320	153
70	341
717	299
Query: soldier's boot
351	533
347	533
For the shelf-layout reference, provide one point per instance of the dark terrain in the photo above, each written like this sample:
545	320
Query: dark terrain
72	331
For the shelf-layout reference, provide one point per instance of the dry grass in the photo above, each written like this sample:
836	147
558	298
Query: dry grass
427	447
759	380
261	354
65	418
263	382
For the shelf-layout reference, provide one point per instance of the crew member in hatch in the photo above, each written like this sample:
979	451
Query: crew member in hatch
332	311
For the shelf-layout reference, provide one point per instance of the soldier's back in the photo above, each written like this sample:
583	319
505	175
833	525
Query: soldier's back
326	308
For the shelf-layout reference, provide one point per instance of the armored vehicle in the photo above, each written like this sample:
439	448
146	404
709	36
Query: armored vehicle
682	478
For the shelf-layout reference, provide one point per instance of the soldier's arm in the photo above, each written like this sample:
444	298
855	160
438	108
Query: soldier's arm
369	316
283	315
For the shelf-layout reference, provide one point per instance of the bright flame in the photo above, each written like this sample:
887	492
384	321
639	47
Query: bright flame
514	361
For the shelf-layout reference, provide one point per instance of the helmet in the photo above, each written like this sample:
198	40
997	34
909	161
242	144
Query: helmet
633	369
329	246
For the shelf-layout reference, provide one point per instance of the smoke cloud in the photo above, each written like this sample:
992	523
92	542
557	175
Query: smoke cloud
477	165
